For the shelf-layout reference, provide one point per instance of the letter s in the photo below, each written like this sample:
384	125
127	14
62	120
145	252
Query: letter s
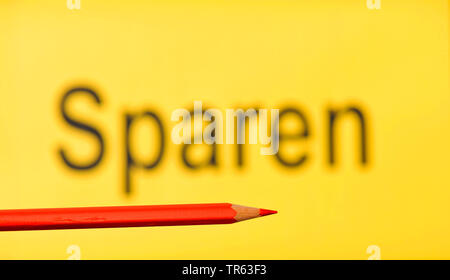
82	126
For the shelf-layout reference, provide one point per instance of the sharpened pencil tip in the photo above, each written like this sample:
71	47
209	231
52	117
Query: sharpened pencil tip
245	213
265	212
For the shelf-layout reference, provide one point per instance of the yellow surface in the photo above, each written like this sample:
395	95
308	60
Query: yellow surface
162	55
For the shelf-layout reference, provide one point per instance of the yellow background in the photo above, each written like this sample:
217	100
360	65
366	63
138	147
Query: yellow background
162	55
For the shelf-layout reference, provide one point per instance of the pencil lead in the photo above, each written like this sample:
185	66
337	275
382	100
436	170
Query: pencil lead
265	212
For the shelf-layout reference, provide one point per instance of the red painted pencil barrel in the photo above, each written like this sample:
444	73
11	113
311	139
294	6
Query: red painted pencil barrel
116	216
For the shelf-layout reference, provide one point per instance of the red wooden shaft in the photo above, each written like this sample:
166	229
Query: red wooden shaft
116	216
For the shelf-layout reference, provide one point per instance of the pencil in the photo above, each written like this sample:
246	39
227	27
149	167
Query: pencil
127	216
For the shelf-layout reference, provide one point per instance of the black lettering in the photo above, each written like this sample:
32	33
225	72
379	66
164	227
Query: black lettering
130	161
302	134
333	116
244	124
82	126
212	161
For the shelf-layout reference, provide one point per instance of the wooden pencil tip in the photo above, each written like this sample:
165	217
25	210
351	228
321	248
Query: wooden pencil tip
245	213
265	212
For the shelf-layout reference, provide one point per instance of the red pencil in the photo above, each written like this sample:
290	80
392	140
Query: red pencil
127	216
